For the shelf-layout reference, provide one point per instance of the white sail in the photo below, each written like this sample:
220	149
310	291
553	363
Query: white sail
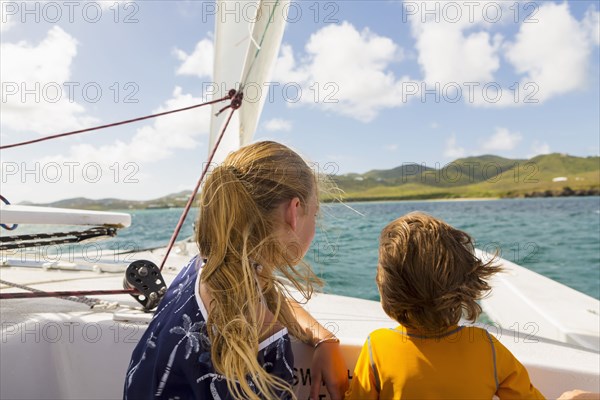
246	47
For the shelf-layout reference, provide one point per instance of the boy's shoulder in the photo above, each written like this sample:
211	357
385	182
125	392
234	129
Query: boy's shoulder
488	335
385	334
470	331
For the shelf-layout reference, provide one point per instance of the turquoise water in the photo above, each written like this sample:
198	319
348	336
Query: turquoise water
556	237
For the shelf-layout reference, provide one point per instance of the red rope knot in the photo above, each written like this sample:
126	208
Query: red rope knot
13	226
236	101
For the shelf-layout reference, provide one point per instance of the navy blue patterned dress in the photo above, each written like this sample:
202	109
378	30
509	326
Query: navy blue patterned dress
172	359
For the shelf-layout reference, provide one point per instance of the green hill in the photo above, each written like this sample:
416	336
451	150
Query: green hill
170	201
472	177
484	176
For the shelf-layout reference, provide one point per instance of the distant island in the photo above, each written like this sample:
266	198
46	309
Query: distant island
485	176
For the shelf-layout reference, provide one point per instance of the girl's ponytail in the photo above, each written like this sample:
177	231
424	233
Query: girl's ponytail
236	230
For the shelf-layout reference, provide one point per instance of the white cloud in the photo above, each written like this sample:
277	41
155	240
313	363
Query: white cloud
110	4
452	149
286	68
43	69
434	125
200	62
6	15
345	71
10	9
278	124
447	52
538	148
391	147
501	140
591	23
554	52
150	143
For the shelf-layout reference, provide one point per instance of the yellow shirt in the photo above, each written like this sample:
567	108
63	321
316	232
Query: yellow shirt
463	363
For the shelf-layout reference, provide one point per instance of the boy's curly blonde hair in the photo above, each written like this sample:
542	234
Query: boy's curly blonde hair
428	274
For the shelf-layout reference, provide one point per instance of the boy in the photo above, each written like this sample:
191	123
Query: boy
428	276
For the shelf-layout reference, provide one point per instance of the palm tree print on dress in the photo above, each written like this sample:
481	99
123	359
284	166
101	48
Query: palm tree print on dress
218	378
178	292
192	335
150	344
280	355
213	388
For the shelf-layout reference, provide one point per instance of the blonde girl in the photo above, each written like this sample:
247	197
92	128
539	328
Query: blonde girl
223	329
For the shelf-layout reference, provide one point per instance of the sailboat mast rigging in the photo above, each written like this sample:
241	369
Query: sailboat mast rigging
247	123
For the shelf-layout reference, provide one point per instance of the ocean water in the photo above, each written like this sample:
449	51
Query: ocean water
556	237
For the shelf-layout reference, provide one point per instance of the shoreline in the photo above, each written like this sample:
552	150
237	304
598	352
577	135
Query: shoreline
349	199
565	192
450	199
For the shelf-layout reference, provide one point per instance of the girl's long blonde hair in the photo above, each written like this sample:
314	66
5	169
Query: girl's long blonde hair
236	230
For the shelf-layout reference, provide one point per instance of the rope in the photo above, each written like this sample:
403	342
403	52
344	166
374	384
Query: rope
236	102
63	294
259	46
128	121
25	241
41	293
8	228
195	191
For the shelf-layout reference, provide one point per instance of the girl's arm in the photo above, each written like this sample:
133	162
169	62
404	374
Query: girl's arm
579	395
327	362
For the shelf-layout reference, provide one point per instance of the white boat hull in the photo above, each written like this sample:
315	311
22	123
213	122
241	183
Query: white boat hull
53	348
19	214
528	302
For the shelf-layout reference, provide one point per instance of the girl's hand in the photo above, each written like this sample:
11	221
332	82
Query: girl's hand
328	365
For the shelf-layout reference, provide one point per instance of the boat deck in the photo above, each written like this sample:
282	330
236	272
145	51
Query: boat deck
73	352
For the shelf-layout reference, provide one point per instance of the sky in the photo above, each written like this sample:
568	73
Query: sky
358	85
